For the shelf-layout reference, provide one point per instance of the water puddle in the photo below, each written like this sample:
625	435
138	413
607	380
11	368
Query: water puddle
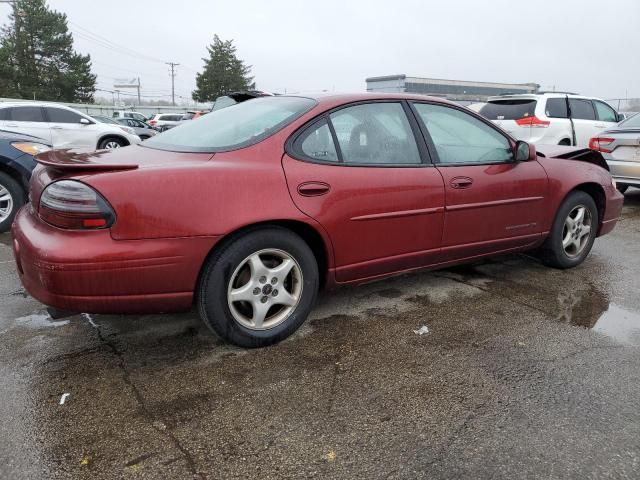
591	309
619	324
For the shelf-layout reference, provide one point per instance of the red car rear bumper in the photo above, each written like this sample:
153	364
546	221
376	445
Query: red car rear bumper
88	271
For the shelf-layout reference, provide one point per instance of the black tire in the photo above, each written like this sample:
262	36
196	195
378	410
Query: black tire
213	286
17	200
106	141
622	188
565	141
144	137
552	252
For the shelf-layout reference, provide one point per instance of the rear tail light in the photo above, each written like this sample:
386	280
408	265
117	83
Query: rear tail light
601	144
73	205
533	122
153	123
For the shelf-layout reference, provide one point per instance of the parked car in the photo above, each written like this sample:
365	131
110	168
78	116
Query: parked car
551	118
130	114
160	120
620	147
193	114
141	129
249	210
61	126
123	126
16	164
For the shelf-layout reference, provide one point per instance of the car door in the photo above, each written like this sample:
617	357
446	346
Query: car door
492	203
29	120
607	116
584	120
362	173
67	131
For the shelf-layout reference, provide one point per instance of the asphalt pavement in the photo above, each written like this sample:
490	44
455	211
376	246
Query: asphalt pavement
502	369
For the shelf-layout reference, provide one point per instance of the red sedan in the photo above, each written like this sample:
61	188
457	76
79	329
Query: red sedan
250	210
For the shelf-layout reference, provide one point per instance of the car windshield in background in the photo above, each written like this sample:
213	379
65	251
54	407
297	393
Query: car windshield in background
633	122
234	127
508	109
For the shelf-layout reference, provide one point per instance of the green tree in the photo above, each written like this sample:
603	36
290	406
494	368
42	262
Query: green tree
37	58
223	72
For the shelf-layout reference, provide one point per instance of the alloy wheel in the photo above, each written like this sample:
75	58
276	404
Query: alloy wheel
112	144
265	289
577	231
6	203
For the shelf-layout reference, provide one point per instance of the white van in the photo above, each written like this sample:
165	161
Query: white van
551	118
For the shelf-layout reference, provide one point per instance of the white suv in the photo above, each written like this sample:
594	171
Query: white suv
551	118
62	127
165	119
129	114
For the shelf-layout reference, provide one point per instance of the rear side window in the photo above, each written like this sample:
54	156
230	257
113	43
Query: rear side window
508	109
4	113
556	108
60	115
317	144
234	127
582	109
26	114
375	133
605	112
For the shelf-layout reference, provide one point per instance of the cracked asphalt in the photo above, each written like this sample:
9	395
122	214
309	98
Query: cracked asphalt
525	372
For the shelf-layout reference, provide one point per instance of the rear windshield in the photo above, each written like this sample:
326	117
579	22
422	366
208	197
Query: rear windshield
508	109
237	126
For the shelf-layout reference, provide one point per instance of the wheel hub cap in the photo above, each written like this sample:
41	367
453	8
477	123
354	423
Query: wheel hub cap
6	203
265	289
577	231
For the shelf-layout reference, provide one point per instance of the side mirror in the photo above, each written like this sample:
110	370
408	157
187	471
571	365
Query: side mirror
524	152
84	121
620	117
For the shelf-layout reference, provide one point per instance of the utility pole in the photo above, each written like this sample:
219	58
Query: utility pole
173	78
138	90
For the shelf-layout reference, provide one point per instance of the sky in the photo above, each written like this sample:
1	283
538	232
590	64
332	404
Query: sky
586	46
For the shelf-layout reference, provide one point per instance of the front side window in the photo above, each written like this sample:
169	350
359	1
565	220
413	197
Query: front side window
26	114
237	126
60	115
605	112
375	133
460	138
582	109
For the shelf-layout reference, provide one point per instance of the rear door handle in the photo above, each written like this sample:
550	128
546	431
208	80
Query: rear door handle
56	127
11	125
461	182
313	189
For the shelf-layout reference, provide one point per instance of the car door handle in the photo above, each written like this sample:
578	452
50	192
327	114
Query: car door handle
461	182
11	125
57	127
313	189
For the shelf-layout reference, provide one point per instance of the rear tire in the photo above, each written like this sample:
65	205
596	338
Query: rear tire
565	142
569	242
12	198
259	288
622	188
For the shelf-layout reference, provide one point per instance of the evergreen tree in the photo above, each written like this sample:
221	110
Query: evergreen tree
223	72
37	58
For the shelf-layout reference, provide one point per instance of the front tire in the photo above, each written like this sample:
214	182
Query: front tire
111	143
572	233
12	197
259	288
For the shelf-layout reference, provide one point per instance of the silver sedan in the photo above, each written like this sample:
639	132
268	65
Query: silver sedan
620	147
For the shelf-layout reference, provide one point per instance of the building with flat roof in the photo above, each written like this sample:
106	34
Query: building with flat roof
460	91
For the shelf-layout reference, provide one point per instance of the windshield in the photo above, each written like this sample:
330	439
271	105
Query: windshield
633	122
234	127
508	109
